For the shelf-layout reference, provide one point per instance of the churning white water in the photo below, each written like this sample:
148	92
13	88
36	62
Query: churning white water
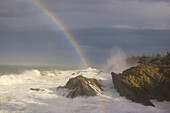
16	95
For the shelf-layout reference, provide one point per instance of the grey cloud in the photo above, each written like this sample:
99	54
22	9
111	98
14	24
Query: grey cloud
157	0
148	0
131	12
15	8
76	13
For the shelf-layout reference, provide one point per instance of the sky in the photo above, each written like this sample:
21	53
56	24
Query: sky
29	37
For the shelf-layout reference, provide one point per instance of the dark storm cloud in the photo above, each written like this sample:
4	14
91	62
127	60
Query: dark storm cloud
105	38
26	32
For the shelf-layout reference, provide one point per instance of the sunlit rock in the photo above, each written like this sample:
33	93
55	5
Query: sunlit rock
142	83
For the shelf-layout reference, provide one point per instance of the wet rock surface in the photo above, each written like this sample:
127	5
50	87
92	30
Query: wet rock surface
82	86
142	83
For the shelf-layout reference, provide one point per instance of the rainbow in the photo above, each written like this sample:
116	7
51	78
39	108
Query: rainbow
68	37
64	30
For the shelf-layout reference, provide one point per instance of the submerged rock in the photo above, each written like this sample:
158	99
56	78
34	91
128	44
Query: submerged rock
36	89
82	86
142	83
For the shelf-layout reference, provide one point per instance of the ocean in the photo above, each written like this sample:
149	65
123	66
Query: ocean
16	95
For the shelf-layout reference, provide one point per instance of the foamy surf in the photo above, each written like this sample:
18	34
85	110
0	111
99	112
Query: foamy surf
34	91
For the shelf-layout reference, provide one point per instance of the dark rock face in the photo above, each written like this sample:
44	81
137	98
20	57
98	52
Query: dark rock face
142	83
82	86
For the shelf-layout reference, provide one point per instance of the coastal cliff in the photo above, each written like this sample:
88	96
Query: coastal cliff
142	83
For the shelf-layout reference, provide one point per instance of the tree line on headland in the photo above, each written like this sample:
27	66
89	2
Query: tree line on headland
150	60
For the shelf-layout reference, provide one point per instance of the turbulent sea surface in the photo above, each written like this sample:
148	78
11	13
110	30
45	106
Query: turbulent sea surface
16	95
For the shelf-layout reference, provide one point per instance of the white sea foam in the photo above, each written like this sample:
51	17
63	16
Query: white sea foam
19	79
16	95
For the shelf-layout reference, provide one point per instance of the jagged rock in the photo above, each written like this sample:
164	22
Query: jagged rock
82	86
142	83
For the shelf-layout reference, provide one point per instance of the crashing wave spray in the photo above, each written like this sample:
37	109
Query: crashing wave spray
117	61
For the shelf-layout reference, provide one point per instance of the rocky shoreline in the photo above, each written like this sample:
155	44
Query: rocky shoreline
139	84
142	83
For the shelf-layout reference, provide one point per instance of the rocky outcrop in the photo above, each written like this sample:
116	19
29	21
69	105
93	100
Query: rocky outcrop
142	83
82	86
